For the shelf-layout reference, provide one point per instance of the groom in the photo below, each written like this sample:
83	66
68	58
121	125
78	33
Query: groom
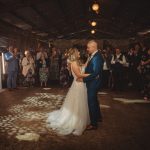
93	81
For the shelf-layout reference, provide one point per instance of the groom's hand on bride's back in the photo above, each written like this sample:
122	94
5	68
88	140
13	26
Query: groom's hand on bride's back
79	80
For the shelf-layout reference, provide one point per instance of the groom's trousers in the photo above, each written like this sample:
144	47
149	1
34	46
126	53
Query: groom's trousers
94	108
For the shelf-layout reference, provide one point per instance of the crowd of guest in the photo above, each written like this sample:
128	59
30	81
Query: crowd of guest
129	68
29	68
121	68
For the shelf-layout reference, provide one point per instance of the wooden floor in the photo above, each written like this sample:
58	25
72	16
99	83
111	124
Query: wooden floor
126	123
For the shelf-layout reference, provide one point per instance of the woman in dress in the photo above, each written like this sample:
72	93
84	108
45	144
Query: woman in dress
145	74
43	65
54	65
28	71
64	72
73	117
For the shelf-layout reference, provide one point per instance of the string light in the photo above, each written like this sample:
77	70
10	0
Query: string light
93	23
93	31
95	7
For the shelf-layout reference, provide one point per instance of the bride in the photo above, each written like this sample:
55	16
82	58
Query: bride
73	116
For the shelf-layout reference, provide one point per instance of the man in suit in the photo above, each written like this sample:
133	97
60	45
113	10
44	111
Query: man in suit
12	70
93	81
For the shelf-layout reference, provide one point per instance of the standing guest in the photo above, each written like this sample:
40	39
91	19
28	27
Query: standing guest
130	56
118	61
106	69
28	68
59	53
17	55
43	65
12	70
134	63
145	73
41	52
54	65
64	72
143	49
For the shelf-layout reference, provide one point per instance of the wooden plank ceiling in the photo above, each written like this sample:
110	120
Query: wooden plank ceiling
67	19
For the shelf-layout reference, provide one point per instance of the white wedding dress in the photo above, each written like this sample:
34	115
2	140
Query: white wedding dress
73	116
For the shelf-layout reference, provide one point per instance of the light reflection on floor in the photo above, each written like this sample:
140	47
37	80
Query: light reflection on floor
130	101
30	116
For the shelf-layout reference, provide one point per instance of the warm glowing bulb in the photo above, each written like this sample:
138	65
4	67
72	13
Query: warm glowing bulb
93	31
93	23
95	7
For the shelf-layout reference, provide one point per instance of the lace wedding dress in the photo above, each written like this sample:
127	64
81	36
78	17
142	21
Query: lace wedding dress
73	117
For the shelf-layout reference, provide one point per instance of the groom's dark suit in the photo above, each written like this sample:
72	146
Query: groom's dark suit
93	81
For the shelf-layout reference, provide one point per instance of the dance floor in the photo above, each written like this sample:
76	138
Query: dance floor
23	113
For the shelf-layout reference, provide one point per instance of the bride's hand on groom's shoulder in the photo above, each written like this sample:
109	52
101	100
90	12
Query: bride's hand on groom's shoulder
79	80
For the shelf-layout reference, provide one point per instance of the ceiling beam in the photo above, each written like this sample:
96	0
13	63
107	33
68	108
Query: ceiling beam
65	14
27	3
39	14
45	19
34	26
14	6
9	29
24	20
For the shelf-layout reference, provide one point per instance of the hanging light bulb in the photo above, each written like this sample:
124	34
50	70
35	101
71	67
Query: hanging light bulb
93	31
93	23
95	6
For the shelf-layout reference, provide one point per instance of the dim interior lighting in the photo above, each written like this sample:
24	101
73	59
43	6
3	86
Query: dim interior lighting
93	23
93	31
95	6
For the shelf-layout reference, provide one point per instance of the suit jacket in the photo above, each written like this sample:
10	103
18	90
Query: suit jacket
94	68
12	65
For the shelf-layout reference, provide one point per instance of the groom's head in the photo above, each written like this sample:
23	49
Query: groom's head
91	46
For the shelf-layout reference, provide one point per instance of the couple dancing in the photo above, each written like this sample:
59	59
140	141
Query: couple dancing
80	110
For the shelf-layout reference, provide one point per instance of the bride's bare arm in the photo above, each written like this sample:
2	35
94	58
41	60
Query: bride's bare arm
86	63
77	71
